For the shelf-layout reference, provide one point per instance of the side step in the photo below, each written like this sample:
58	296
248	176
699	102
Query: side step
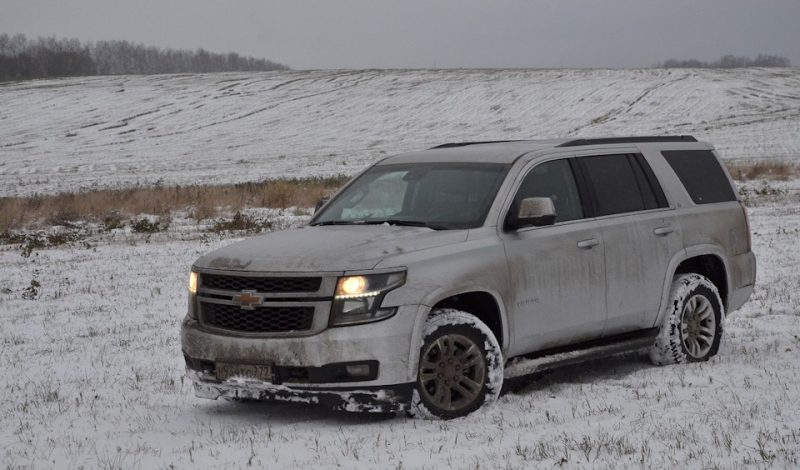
574	354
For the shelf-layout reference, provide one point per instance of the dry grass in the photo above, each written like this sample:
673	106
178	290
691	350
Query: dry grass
773	170
205	202
202	202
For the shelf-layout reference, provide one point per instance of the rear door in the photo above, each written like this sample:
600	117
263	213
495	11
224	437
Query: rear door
640	235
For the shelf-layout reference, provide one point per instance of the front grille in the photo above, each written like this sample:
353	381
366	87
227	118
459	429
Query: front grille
261	284
259	320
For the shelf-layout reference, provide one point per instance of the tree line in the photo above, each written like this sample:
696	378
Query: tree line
24	58
729	62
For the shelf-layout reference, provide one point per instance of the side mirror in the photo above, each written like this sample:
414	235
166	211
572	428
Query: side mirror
534	211
322	201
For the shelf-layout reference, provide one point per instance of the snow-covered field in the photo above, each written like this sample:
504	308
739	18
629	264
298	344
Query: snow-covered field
91	375
58	135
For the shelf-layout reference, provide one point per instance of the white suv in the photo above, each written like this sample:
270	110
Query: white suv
434	275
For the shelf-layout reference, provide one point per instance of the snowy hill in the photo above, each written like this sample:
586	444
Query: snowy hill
58	135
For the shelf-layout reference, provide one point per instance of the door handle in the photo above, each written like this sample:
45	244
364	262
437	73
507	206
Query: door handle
663	231
588	244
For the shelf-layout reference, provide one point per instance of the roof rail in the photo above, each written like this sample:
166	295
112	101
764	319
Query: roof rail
464	144
628	140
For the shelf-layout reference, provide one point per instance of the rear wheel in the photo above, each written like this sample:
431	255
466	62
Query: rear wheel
460	366
692	328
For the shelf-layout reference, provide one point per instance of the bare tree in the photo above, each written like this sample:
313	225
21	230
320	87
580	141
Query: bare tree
21	58
729	62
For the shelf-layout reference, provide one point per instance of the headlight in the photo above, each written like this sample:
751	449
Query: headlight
192	307
192	282
352	286
358	298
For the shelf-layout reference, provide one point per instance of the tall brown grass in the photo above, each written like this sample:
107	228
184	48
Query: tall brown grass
773	170
202	202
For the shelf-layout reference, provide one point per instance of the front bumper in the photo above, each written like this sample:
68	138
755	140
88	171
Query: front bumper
299	359
382	399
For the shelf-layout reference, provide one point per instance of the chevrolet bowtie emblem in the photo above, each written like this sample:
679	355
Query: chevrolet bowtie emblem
248	300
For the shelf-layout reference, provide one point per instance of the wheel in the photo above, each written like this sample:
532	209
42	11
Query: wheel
692	328
460	367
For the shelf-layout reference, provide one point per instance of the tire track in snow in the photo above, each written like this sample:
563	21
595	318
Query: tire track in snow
270	107
615	113
294	129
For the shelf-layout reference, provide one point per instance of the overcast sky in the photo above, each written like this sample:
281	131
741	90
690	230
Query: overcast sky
421	34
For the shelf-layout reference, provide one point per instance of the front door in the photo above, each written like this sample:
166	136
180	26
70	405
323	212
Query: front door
557	272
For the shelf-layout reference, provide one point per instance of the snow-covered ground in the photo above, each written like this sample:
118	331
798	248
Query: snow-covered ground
91	373
91	376
58	135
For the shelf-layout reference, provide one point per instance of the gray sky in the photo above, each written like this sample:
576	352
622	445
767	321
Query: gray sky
421	34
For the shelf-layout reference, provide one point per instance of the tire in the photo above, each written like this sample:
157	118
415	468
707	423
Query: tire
692	328
460	367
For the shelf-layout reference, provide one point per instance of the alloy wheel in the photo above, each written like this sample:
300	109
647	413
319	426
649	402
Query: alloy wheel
452	372
698	326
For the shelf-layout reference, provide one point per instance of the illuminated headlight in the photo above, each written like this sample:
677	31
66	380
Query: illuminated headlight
192	308
352	286
192	282
358	298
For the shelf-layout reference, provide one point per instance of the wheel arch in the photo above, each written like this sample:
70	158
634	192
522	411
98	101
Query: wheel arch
707	260
469	300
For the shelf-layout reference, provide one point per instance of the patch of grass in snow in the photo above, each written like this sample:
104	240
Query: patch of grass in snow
773	170
241	222
30	241
145	225
761	192
202	202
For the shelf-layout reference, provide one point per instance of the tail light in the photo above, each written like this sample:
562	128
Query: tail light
747	226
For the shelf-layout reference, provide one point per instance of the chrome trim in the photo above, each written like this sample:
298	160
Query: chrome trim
326	289
273	295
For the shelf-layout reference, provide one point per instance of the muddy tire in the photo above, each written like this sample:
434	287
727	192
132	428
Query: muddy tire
460	367
692	328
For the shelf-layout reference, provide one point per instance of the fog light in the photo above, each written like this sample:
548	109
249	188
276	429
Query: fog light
359	370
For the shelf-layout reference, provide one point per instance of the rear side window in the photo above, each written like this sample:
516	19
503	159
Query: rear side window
648	183
620	184
701	175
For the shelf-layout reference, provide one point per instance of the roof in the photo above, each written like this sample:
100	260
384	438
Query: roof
508	151
495	152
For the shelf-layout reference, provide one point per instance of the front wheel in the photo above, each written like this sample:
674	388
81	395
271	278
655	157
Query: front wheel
460	366
692	328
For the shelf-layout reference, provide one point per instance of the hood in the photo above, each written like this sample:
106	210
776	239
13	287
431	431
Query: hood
326	248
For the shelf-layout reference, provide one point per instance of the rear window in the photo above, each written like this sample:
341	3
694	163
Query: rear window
701	175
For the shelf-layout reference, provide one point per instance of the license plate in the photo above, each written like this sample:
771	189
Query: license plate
246	371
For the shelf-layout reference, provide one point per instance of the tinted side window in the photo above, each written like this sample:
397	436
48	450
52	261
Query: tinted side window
554	180
651	191
615	184
701	175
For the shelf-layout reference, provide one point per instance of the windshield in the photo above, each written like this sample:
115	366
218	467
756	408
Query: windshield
435	195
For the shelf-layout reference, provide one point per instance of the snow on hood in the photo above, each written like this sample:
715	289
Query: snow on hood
326	248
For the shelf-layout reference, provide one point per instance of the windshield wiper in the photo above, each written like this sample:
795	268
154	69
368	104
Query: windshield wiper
407	223
338	222
398	222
